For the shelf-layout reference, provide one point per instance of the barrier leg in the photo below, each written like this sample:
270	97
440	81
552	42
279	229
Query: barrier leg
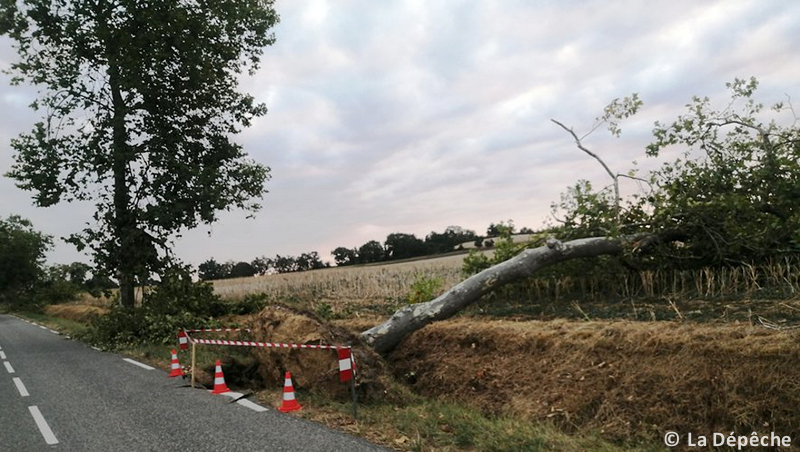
353	390
194	361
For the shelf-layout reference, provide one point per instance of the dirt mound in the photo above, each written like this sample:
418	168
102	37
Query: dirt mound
77	312
626	380
312	369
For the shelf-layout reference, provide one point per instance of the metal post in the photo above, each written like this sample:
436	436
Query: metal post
353	387
194	361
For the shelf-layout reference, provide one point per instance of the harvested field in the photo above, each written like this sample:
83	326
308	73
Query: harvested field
627	380
649	295
345	283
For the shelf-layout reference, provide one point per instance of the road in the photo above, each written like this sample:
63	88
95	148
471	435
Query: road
61	395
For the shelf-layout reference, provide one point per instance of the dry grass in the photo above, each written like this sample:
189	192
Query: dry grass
77	312
374	282
779	279
626	379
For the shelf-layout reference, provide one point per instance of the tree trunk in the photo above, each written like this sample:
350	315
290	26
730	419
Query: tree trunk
386	336
124	226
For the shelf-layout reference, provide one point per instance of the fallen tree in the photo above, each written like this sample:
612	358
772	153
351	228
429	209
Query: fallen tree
386	336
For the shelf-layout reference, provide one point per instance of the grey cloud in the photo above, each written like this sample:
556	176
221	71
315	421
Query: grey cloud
411	116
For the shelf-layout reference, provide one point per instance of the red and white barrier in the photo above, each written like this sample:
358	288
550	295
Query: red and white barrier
183	340
347	365
264	344
217	330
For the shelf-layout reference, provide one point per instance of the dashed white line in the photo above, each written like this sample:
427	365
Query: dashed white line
251	405
137	363
2	355
8	367
96	348
53	331
49	437
42	327
23	391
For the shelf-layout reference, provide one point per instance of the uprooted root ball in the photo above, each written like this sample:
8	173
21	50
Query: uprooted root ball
315	369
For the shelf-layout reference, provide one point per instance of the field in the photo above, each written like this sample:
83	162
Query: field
385	281
551	364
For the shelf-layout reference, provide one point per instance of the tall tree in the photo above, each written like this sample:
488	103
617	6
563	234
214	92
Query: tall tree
371	251
22	252
402	246
139	101
449	239
345	256
211	270
242	270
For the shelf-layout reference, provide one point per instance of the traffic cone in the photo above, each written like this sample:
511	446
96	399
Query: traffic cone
219	380
176	366
289	402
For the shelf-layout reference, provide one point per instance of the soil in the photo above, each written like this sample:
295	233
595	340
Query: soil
314	369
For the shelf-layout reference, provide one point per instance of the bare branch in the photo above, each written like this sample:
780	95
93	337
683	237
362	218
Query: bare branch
580	146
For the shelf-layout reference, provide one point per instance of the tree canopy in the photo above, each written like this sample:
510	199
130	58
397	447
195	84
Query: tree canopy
22	251
139	101
731	197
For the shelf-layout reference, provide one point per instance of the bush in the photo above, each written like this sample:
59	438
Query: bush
424	289
175	303
250	304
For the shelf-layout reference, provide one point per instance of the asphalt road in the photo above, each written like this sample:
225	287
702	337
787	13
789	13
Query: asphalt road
58	394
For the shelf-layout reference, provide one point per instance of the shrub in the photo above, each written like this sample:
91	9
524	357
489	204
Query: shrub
424	288
175	303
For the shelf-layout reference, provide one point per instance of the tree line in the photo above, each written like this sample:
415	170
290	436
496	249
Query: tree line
400	245
212	270
25	280
397	246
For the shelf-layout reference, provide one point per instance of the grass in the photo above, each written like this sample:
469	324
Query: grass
62	325
424	424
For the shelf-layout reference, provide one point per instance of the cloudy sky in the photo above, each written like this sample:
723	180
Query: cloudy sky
410	116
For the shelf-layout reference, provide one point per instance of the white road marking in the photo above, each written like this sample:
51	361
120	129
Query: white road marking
231	394
251	405
96	348
23	391
2	355
53	331
42	327
49	437
136	363
8	367
244	402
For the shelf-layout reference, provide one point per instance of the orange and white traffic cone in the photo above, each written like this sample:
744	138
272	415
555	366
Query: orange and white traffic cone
289	402
176	366
219	381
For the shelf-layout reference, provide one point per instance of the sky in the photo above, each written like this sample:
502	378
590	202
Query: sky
412	116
